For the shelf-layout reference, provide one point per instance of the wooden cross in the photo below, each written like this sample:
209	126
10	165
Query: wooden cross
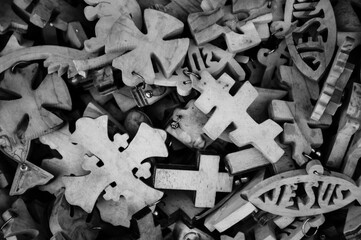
136	64
117	166
298	133
108	12
205	28
207	181
233	109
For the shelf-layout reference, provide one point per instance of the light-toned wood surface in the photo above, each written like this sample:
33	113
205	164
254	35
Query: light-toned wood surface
245	160
280	27
213	59
209	5
70	163
207	181
282	222
117	166
234	209
9	20
349	123
179	80
169	54
337	68
278	193
352	156
74	222
239	38
57	59
264	232
179	8
76	35
239	236
320	50
301	133
15	42
108	12
298	229
233	109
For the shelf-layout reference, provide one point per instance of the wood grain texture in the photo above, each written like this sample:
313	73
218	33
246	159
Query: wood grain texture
349	123
117	166
324	192
296	232
351	229
15	42
301	133
208	57
108	12
330	85
204	28
146	226
233	109
169	55
310	49
245	160
207	181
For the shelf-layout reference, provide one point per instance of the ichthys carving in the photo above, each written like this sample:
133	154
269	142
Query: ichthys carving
305	192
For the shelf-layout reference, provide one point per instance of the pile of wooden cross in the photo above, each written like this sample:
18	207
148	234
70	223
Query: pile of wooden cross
180	119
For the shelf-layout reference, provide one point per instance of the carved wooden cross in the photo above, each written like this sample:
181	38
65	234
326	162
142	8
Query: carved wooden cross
207	181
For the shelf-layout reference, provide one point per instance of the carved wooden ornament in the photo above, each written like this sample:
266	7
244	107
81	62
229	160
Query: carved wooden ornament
324	192
205	28
206	182
334	76
111	170
233	109
15	42
136	64
108	12
313	42
9	21
298	111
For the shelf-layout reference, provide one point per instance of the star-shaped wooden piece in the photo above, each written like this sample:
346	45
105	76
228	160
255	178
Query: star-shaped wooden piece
110	169
233	109
136	64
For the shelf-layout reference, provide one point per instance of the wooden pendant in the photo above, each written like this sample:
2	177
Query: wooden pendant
299	228
209	5
208	57
311	52
29	119
186	126
57	59
41	12
204	28
111	170
239	236
15	42
233	208
69	164
75	35
146	226
108	12
20	222
252	8
9	21
233	109
136	64
264	232
272	61
298	133
201	181
74	222
323	192
348	125
333	78
245	160
179	8
179	79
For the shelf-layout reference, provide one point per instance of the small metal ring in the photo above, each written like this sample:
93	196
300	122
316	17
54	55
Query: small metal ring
6	223
12	69
96	228
307	156
189	73
174	124
142	84
24	167
303	229
270	52
316	173
269	4
187	82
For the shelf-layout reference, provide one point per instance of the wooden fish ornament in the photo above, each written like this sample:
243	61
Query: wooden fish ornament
305	192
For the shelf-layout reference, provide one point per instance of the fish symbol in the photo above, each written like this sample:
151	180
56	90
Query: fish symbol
305	192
